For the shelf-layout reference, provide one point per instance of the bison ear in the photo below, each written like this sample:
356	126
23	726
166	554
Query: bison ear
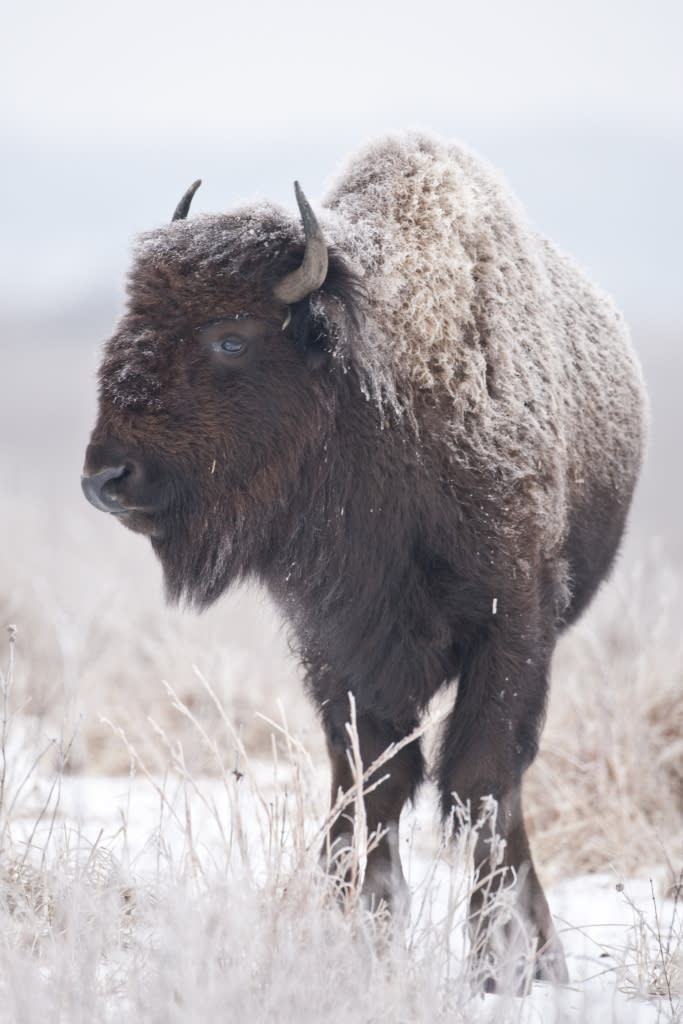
309	328
324	325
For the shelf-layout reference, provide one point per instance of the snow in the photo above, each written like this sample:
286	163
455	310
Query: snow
141	821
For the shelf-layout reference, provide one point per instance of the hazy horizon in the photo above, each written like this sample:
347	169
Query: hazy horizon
108	114
610	200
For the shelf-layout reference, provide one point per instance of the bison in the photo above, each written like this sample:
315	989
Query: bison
419	425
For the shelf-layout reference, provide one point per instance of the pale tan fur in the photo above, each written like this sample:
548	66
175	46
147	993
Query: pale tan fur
464	297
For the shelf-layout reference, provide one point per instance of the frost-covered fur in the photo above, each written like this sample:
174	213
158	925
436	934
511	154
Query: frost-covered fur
465	298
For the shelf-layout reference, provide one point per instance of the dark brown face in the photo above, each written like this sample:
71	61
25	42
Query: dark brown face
217	390
201	436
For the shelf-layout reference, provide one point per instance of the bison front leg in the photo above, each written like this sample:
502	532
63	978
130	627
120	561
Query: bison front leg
401	775
490	739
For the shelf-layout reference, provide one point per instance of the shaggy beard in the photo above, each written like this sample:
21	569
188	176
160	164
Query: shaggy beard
199	563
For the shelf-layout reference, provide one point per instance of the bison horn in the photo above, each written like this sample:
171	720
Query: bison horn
183	207
313	271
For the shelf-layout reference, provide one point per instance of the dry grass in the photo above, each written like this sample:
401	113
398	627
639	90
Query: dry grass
222	905
652	961
98	641
607	789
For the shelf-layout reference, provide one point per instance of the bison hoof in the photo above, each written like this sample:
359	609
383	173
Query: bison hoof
552	966
515	977
384	887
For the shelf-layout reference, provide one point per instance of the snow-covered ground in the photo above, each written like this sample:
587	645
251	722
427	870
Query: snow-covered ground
151	882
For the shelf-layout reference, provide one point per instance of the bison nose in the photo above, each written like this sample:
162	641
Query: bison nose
99	491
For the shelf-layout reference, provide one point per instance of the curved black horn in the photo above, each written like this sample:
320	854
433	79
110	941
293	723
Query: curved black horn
313	271
183	208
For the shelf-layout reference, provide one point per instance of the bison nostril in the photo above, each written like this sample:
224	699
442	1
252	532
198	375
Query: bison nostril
94	485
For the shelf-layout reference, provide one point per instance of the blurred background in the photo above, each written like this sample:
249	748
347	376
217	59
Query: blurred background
109	111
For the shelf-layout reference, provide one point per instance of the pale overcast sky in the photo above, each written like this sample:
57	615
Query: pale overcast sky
130	69
108	111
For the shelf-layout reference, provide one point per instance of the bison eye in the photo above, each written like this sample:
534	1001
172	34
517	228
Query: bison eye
229	343
233	346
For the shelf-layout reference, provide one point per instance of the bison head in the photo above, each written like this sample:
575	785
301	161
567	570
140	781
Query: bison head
217	388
